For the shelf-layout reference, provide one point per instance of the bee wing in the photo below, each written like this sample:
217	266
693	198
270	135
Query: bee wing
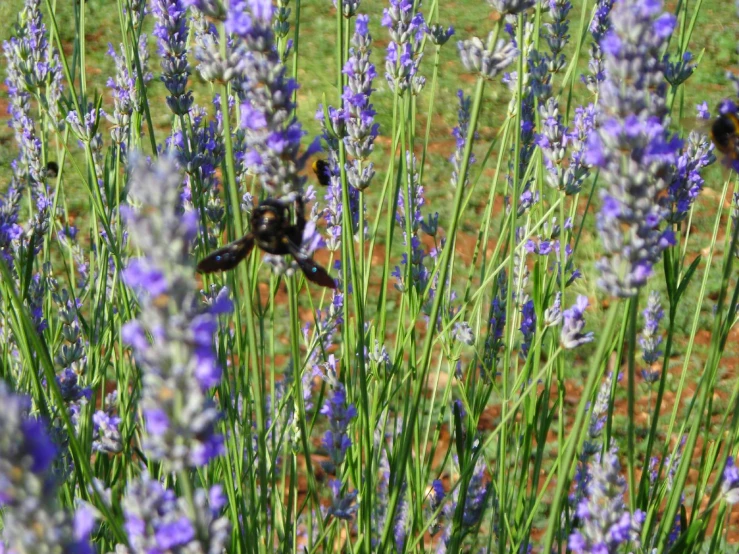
227	257
312	271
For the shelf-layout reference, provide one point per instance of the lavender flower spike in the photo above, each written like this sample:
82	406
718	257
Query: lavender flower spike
489	61
605	520
33	521
171	32
574	322
650	339
730	482
272	133
179	412
632	120
158	521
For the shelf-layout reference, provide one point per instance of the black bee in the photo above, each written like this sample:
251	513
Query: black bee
725	135
272	231
322	171
52	170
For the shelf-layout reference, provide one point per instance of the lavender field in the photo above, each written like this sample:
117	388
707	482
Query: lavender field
369	277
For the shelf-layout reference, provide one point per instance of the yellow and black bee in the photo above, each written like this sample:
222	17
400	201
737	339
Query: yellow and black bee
322	171
725	136
273	233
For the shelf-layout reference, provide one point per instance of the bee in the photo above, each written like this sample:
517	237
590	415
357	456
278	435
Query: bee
725	136
52	170
273	233
322	171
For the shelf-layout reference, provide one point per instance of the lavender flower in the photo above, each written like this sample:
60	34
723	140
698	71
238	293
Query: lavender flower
528	328
404	52
434	498
556	140
438	35
599	27
359	115
605	520
631	120
730	482
557	33
342	507
489	61
494	342
125	95
339	414
178	372
106	437
573	325
171	32
33	520
680	70
553	314
687	182
592	444
158	521
649	339
460	134
272	134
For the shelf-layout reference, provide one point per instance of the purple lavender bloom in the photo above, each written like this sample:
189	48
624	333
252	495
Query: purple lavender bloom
336	440
528	328
342	507
494	342
105	434
631	119
125	95
687	182
157	521
33	70
434	499
703	111
460	134
557	33
599	27
179	411
171	32
33	520
649	339
488	61
272	134
359	115
11	232
404	51
605	522
438	35
412	273
679	70
556	140
553	314
573	325
730	482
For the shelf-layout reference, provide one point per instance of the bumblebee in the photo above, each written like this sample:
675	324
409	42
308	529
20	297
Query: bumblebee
725	135
322	171
273	233
52	170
